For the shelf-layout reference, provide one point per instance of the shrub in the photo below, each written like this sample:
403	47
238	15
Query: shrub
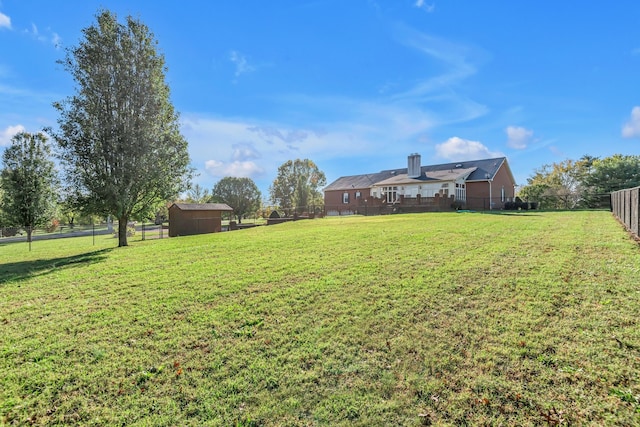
9	231
131	230
52	226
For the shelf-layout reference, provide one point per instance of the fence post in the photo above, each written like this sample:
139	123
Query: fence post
635	211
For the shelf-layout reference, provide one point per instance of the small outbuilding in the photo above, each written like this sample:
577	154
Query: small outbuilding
196	218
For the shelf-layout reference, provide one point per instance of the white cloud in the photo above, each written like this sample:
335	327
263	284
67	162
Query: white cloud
421	4
33	32
49	37
458	149
438	93
632	128
56	40
236	147
518	137
8	133
243	152
241	63
246	169
5	21
291	137
454	58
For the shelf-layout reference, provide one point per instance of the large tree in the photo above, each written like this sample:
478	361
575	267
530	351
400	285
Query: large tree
614	173
586	182
198	194
28	179
241	194
556	186
119	136
297	184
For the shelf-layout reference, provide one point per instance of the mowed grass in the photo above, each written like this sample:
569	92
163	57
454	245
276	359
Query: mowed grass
443	319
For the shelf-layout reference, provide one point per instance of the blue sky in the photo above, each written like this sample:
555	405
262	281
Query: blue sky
358	85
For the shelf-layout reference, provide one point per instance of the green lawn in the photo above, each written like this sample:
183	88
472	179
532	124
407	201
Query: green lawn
444	319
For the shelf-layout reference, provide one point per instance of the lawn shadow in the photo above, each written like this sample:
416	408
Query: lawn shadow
23	270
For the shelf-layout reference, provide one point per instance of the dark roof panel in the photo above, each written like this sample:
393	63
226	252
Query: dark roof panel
358	181
485	168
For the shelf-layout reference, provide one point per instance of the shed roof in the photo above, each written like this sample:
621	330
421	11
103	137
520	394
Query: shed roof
203	206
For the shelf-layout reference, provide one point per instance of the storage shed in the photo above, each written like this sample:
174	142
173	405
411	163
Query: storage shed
196	218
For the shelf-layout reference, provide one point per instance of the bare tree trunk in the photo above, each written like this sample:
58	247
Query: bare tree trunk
29	231
122	231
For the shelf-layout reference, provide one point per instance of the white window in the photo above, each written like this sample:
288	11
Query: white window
345	197
502	194
391	194
357	194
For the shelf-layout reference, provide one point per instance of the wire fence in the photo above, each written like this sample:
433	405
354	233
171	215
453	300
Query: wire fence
624	203
135	231
21	233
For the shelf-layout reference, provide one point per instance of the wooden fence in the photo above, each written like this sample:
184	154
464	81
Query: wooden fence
625	205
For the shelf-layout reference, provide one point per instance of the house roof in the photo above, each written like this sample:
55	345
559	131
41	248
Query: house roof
478	170
203	206
358	181
432	176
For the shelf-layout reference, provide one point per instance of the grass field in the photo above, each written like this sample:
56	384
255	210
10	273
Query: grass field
443	319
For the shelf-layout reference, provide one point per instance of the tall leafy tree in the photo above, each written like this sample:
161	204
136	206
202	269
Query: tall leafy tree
555	186
615	173
298	184
610	174
198	194
241	194
586	182
28	179
69	209
119	136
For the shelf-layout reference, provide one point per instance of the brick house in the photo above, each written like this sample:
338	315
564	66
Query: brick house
196	218
479	184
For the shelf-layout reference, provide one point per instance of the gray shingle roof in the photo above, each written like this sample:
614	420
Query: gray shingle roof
485	169
358	181
203	206
433	175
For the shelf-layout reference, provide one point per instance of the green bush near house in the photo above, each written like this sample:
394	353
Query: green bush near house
527	318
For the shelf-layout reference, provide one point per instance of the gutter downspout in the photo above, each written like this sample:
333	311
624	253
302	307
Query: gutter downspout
490	196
